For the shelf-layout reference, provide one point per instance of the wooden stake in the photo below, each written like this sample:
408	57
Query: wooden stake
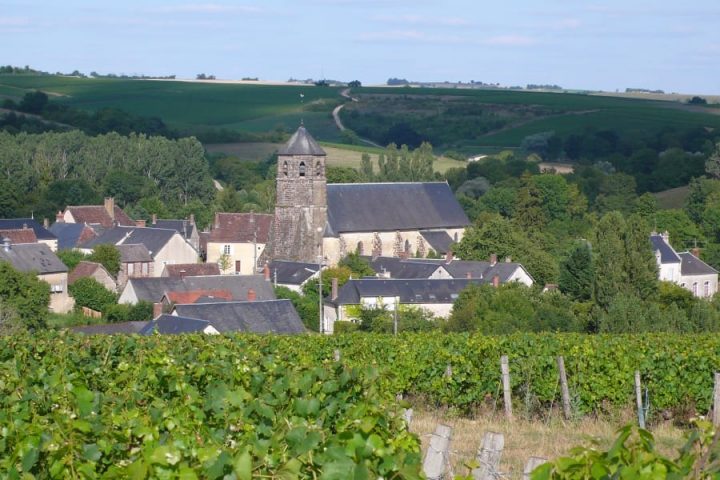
505	369
716	400
638	398
564	388
436	458
488	456
532	464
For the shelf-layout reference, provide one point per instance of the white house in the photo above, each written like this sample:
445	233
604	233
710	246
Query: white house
684	268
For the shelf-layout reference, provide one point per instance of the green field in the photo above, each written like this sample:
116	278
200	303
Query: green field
673	198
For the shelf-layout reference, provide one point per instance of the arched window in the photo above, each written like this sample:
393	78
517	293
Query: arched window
302	169
318	169
407	246
285	168
360	249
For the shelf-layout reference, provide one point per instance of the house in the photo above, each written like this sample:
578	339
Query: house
556	168
119	328
190	270
95	271
186	228
71	235
38	258
172	325
165	246
135	262
237	241
153	289
685	268
200	296
270	316
314	219
292	275
507	271
436	296
42	234
20	235
107	215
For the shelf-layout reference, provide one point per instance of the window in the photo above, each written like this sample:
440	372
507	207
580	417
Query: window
407	246
285	168
302	169
360	250
145	269
58	288
454	296
706	289
694	289
226	250
131	269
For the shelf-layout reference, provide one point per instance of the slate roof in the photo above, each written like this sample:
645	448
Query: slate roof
191	269
171	325
96	214
153	289
183	227
273	316
126	328
194	296
134	253
382	207
412	291
291	273
667	253
301	143
32	257
241	227
482	270
691	265
154	239
399	268
439	240
21	235
85	269
71	235
17	223
459	269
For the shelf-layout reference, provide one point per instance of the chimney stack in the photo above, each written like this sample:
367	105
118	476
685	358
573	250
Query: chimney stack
251	295
496	281
154	218
493	259
449	256
59	217
266	272
217	220
695	252
157	309
666	237
110	207
508	259
334	289
468	275
46	223
139	223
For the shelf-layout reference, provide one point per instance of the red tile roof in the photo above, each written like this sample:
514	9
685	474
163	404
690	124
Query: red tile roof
191	270
193	295
20	235
241	227
97	214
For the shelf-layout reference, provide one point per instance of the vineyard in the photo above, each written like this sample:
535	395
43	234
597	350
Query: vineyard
284	407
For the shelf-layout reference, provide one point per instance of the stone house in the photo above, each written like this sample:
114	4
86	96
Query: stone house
106	215
135	262
38	258
684	268
95	271
237	241
181	270
42	234
185	227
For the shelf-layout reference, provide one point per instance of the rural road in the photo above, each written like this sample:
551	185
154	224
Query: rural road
336	116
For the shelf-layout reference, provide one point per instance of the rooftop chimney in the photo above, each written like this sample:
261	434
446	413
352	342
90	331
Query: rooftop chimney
154	218
695	252
496	281
139	223
157	309
46	223
110	207
251	296
266	272
334	289
493	259
6	244
508	259
666	237
217	220
59	217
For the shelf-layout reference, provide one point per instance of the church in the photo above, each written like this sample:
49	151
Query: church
314	219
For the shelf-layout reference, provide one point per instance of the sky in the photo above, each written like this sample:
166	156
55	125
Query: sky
608	45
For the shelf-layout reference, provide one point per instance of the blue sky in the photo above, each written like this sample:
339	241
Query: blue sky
674	46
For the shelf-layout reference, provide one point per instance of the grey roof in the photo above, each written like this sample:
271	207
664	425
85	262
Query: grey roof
691	265
376	207
439	240
399	268
134	253
482	270
291	273
154	239
459	269
410	291
183	227
17	223
667	253
273	316
170	325
111	328
67	234
153	289
301	143
32	257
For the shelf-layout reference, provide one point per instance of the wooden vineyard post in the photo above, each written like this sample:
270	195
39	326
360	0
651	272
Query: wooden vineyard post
564	388
532	464
336	355
507	398
489	456
437	456
638	398
408	415
716	400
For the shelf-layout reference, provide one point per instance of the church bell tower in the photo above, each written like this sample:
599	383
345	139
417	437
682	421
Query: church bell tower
301	202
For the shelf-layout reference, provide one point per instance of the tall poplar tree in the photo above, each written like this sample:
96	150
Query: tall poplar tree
577	273
609	258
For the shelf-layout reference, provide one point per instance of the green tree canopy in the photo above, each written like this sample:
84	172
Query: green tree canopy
108	256
27	296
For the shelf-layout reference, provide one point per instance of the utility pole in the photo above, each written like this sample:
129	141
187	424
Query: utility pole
320	285
252	219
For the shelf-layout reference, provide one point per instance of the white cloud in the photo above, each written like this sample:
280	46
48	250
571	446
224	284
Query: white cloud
510	40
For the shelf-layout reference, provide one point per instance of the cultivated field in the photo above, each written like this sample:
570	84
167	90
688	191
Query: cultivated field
673	198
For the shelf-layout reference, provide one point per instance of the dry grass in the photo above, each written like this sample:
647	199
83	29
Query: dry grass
549	438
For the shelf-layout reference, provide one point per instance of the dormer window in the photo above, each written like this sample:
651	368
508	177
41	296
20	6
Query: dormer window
302	169
285	168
